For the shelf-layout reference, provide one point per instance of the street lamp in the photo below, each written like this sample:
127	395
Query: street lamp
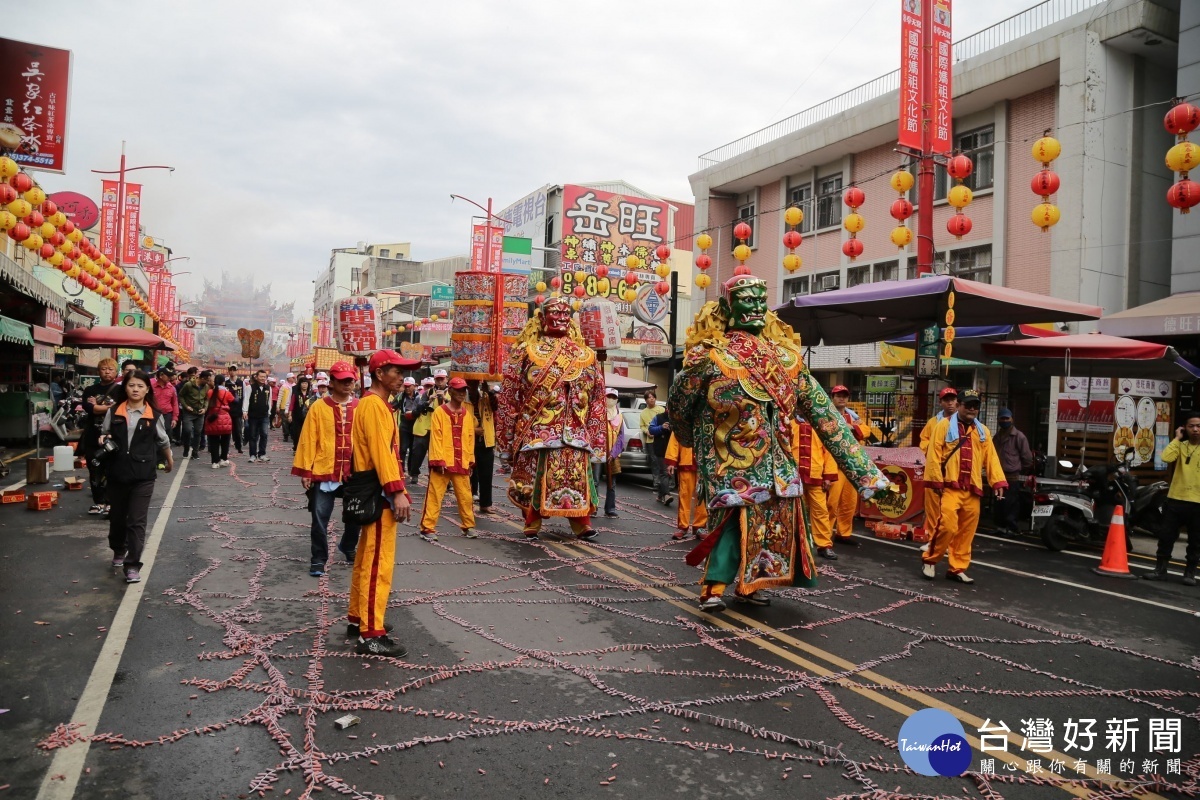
121	211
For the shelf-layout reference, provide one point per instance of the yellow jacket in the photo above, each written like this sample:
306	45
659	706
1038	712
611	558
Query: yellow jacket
452	439
814	462
1185	483
977	447
927	431
376	442
680	457
323	450
485	419
423	422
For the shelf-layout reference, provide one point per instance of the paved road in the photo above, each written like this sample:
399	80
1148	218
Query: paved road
560	669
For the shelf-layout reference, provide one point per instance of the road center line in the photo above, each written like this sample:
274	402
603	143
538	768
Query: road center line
68	761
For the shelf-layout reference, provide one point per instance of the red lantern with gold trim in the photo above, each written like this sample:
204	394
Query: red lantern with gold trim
1182	119
959	225
1184	195
901	209
1045	183
742	230
854	197
959	167
853	248
792	239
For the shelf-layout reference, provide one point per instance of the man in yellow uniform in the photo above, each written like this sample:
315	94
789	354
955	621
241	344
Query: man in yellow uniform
960	451
819	472
1182	509
681	462
948	397
375	440
843	495
451	458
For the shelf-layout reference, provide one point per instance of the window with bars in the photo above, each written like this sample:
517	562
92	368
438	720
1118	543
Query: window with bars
886	271
794	287
829	201
980	146
857	275
974	263
801	197
939	266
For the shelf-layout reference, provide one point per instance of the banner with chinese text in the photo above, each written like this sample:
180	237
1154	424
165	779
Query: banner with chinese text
495	253
34	86
108	219
133	214
359	328
911	27
943	118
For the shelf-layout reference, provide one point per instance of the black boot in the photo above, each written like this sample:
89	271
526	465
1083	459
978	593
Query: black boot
1159	573
1189	575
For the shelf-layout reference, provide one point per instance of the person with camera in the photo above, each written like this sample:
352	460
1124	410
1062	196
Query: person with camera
98	399
218	422
1182	509
133	439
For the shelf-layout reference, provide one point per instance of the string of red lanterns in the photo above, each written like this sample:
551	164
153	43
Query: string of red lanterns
960	195
792	239
902	209
703	261
742	231
1182	119
854	222
1045	215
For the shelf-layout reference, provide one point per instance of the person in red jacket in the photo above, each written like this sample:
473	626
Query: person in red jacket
218	424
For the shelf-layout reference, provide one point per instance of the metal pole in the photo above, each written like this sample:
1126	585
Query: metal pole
672	335
116	304
925	176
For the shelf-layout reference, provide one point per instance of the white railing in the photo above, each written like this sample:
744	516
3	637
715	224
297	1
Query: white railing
1009	30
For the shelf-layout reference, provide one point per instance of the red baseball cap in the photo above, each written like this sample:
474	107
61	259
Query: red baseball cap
383	358
839	389
458	383
341	371
949	391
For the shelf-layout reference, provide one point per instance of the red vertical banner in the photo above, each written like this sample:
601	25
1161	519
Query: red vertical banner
155	283
108	219
911	63
170	310
942	114
133	220
483	257
34	87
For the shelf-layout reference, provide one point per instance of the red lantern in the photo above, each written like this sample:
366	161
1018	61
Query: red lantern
742	269
959	167
541	298
67	227
852	248
854	197
7	194
19	232
662	287
21	182
1183	118
959	225
579	291
1184	195
47	250
556	282
601	271
663	252
792	239
49	208
703	261
742	230
1045	183
35	219
631	279
57	239
901	209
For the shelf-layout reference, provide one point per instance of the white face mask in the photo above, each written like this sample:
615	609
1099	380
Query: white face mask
611	402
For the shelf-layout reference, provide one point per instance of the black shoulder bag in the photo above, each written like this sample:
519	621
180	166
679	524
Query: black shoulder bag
362	499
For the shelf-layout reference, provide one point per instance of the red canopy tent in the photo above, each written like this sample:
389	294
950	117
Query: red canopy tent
114	336
1109	356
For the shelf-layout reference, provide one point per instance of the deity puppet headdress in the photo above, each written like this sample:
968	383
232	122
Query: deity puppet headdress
533	328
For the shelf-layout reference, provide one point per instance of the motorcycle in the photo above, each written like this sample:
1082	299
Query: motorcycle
66	422
1078	510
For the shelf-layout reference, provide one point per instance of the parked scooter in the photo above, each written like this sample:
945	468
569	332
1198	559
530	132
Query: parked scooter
1079	510
66	422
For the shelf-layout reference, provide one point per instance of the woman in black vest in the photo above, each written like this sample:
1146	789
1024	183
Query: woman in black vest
139	436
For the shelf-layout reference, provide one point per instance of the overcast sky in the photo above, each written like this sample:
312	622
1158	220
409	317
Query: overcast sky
297	127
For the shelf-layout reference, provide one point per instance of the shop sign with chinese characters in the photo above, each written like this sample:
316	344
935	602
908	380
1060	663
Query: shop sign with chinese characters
1085	747
34	86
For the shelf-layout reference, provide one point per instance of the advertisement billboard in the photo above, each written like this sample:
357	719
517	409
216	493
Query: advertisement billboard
80	209
34	89
527	219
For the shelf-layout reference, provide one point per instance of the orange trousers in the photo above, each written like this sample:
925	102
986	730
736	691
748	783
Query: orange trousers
842	503
438	481
371	581
817	500
933	511
956	531
692	511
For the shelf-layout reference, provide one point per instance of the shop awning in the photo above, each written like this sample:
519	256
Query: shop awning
1177	315
114	336
24	282
15	332
1095	354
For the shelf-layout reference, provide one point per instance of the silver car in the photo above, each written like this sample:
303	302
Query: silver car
634	458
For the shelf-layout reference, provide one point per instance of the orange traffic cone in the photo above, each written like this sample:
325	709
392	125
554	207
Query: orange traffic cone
1115	564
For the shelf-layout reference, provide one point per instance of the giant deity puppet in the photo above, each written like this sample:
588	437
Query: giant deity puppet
743	381
551	421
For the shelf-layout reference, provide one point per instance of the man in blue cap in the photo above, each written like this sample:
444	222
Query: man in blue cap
1015	456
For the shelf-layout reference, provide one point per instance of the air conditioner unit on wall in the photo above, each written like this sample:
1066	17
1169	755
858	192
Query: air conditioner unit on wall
829	282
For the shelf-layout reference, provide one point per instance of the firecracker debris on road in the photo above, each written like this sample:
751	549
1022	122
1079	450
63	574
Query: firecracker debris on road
554	668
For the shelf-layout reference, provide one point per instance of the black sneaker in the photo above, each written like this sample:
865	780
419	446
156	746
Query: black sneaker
380	646
589	535
827	553
666	501
754	599
353	632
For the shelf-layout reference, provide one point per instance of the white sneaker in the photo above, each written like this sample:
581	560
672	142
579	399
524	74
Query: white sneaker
216	466
253	459
264	458
224	462
929	571
960	577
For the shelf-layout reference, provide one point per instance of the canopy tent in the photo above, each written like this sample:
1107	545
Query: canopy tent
873	312
114	336
1177	315
969	341
625	384
1094	353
